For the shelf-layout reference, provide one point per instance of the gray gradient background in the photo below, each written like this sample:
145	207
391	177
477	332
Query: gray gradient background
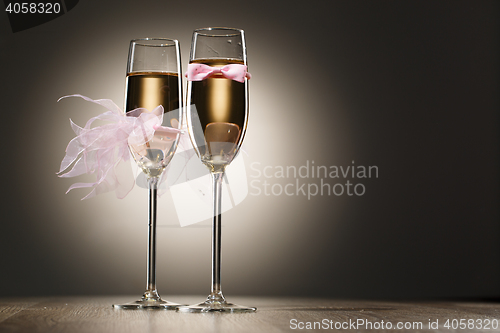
409	86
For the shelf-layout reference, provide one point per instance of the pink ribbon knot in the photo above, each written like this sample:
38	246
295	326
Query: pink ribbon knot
199	72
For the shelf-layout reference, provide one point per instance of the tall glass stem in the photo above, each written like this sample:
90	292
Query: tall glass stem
150	299
216	291
151	292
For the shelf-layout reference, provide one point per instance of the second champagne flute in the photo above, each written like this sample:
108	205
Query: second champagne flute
152	80
217	118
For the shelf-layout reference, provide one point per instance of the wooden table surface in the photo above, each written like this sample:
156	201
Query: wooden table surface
95	314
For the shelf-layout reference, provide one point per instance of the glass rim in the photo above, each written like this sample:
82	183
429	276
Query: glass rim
230	32
152	40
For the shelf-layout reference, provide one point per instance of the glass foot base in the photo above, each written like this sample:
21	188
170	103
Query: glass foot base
148	305
209	306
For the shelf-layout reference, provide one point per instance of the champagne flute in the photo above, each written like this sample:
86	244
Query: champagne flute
153	79
217	121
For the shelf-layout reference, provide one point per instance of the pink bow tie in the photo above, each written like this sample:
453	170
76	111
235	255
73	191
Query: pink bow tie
199	72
